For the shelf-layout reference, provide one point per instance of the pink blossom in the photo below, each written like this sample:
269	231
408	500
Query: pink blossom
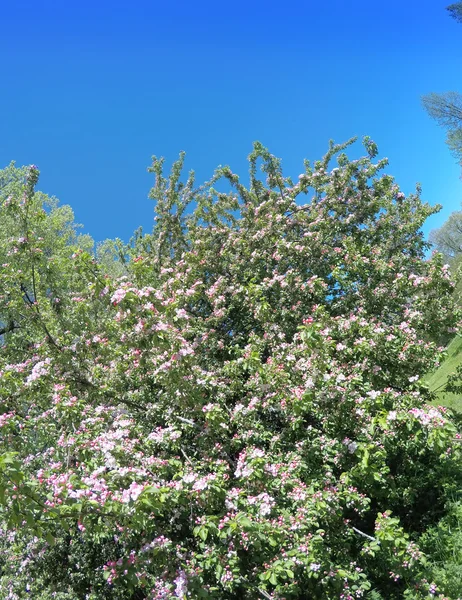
118	296
133	492
181	584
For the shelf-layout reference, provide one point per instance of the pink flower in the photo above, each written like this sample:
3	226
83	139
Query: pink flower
5	418
200	484
133	492
39	369
181	584
118	296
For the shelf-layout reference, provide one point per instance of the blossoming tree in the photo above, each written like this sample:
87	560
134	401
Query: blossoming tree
242	413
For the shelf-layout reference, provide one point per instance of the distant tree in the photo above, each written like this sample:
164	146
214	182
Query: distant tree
446	108
448	238
455	11
57	237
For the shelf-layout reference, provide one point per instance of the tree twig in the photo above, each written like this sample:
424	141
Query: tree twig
188	421
186	456
369	537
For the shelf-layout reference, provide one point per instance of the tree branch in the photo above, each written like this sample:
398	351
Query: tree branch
369	537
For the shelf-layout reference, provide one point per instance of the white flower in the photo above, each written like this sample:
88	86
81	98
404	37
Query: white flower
257	453
230	505
247	471
181	583
200	484
352	446
39	369
265	509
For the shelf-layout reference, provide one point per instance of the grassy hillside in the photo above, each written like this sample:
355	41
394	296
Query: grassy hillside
437	380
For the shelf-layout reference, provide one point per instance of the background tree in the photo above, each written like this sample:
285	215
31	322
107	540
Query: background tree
38	239
455	11
447	239
446	108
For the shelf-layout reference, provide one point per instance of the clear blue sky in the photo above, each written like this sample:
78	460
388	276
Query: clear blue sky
90	90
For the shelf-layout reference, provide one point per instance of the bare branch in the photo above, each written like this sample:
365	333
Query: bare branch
369	537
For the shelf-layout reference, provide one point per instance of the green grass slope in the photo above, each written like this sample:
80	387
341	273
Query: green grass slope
437	380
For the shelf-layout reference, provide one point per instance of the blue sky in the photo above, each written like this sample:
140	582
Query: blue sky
90	90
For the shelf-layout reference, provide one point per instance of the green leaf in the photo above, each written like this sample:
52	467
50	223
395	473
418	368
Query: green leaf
50	538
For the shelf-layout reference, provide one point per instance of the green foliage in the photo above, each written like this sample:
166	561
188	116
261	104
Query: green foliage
233	405
443	543
437	381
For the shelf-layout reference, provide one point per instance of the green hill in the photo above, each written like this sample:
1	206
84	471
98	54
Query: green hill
437	380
